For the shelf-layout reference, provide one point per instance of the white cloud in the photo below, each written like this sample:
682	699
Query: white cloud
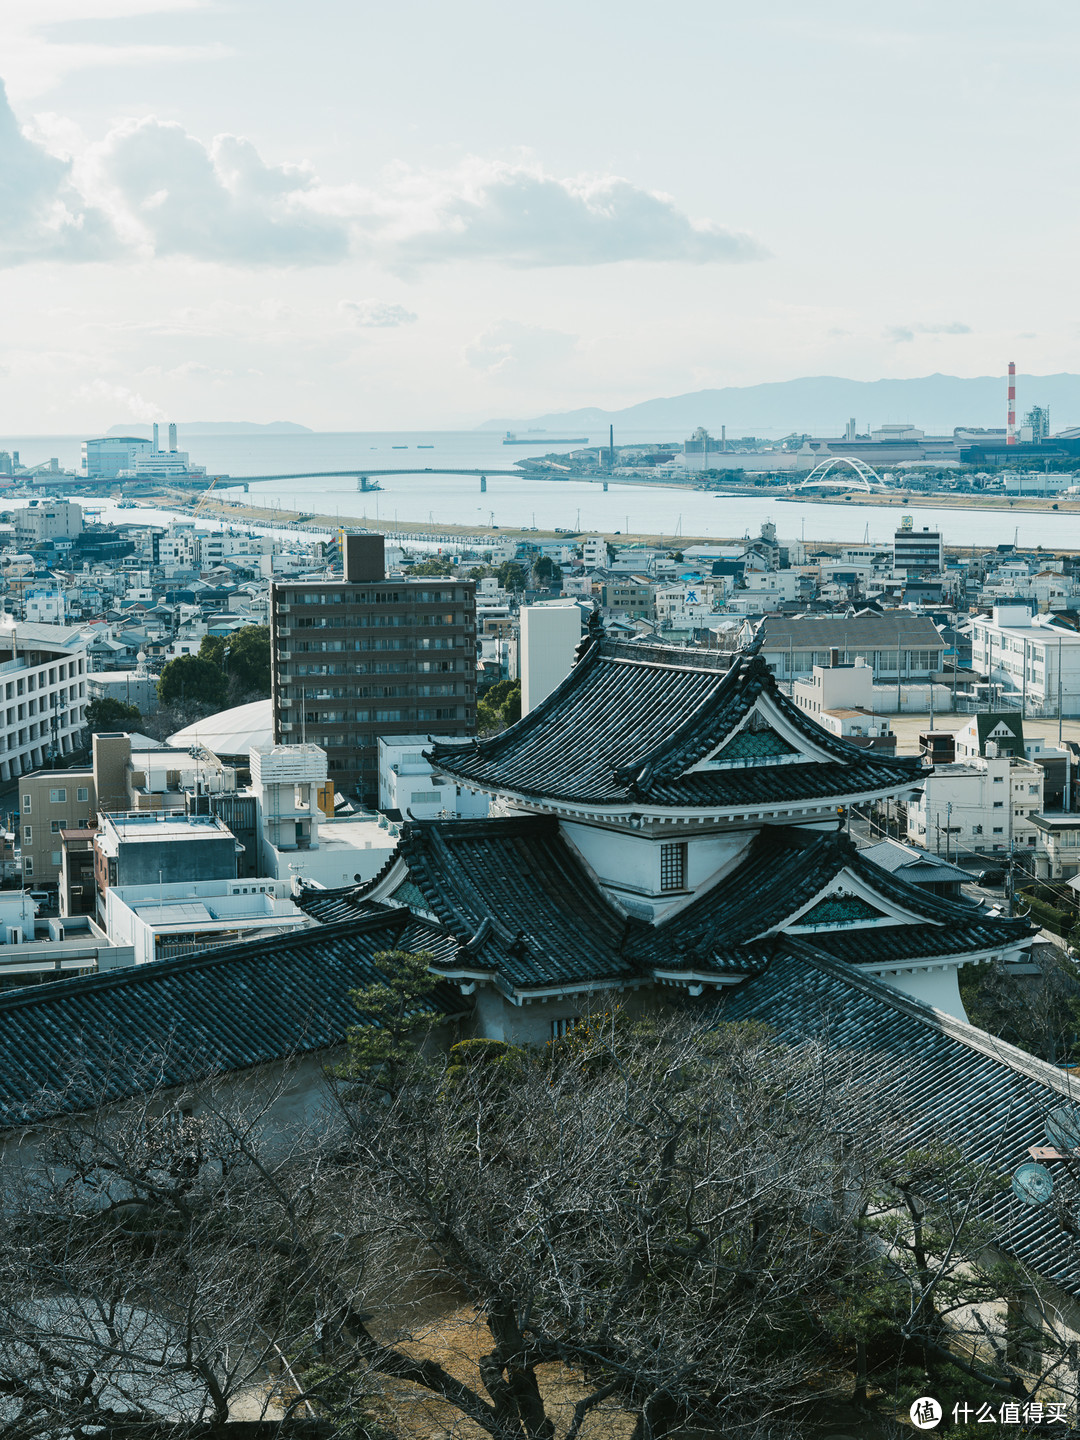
376	314
42	215
902	334
519	215
510	351
211	202
37	59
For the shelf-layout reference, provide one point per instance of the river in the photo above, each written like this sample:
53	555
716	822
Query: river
548	505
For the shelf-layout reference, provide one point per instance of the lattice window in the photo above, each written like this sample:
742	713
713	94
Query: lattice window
673	866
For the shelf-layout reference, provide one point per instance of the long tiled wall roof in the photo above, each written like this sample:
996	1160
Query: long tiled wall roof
74	1043
924	1077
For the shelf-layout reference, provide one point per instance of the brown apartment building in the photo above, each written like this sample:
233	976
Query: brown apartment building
363	656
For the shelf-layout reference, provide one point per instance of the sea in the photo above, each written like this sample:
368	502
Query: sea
516	501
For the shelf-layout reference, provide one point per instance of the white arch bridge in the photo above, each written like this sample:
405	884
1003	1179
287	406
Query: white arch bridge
859	476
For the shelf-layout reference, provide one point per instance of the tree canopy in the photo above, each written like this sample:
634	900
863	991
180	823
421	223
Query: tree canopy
244	657
105	713
193	678
511	575
499	707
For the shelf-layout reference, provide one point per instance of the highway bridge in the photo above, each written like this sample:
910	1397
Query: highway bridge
358	472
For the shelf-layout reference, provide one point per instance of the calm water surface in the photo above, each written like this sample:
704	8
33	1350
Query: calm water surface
573	504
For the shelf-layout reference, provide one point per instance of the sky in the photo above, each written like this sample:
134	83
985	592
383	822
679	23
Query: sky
362	216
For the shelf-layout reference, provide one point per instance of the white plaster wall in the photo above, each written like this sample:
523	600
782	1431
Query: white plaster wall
939	988
630	862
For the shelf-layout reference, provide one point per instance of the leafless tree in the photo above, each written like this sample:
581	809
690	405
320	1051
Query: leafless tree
641	1229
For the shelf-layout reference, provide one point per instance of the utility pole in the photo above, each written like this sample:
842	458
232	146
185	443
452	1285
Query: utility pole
948	827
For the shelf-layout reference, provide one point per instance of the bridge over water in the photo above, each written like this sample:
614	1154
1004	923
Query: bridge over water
359	471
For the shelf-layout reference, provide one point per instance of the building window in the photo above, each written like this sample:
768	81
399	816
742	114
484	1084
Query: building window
560	1028
28	835
998	804
58	797
56	857
673	866
54	827
28	865
26	804
83	793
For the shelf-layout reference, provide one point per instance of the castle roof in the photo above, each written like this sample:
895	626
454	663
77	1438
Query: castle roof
631	728
80	1042
519	908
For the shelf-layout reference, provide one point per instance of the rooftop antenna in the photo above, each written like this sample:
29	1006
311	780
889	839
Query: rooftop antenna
1010	428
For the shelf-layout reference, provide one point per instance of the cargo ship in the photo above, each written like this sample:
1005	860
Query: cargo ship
540	437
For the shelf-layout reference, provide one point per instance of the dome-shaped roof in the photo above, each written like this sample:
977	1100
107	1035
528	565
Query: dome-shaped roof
230	732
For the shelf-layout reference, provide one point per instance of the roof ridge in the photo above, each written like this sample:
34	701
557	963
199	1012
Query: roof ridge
539	713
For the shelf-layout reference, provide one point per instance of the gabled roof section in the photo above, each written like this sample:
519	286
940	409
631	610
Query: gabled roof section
75	1043
627	727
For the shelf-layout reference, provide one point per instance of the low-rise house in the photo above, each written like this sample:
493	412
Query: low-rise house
164	922
915	867
1057	856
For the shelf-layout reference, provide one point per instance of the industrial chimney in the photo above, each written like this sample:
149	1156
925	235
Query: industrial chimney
172	439
1010	429
156	447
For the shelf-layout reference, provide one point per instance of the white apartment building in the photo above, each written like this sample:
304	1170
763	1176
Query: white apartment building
42	694
986	805
841	699
550	635
1029	657
595	553
42	520
45	606
408	784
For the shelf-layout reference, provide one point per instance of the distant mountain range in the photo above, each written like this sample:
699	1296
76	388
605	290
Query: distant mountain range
216	427
823	404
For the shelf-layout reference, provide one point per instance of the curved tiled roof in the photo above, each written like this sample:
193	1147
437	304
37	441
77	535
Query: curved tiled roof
520	906
946	1081
75	1043
623	729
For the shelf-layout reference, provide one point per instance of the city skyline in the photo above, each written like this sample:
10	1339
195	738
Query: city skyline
412	218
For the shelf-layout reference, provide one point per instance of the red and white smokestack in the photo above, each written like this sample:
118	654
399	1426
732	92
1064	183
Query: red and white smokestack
1010	431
